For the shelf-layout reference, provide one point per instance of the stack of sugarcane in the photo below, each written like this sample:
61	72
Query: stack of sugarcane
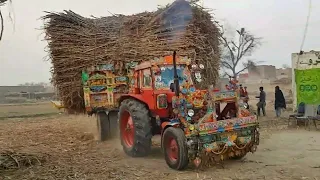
2	2
76	42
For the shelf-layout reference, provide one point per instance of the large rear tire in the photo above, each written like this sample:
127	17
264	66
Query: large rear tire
175	148
135	128
103	125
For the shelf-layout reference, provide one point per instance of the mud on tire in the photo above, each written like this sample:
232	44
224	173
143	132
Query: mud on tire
180	160
140	143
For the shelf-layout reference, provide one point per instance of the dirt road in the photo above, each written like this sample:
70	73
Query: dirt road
67	150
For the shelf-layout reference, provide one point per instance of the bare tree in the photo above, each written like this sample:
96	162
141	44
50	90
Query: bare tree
237	50
2	2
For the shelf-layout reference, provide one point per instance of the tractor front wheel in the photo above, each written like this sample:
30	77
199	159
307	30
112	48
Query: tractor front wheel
175	148
135	128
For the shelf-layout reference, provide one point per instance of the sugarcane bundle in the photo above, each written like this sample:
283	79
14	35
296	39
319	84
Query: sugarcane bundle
76	42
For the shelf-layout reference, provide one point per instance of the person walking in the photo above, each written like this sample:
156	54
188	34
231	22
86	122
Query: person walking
261	105
279	101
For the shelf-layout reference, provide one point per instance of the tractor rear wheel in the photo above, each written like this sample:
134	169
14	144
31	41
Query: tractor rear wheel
175	148
103	125
135	128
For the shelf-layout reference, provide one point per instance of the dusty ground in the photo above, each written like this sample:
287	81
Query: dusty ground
67	149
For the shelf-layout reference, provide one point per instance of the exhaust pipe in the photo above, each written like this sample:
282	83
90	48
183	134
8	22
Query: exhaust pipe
175	75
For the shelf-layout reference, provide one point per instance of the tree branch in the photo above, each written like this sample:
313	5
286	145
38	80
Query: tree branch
249	47
226	44
247	65
1	19
226	65
241	70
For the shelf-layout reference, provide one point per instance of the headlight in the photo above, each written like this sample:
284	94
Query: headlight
190	112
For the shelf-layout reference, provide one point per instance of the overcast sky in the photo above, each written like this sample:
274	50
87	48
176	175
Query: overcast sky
280	23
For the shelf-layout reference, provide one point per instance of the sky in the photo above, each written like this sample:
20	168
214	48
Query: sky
280	23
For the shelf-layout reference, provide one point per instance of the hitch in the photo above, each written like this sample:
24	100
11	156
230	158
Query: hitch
197	162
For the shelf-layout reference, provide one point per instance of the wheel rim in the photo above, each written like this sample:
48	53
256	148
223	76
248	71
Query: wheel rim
172	149
127	129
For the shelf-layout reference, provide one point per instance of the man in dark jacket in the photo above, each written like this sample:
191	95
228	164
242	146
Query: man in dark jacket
279	101
262	102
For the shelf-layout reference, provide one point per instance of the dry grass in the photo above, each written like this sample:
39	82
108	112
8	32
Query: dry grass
74	154
27	110
10	160
67	144
66	148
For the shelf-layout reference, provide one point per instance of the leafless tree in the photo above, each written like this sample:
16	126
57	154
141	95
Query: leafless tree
2	2
236	50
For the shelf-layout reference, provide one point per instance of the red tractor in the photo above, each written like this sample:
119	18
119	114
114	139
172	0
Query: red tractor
162	98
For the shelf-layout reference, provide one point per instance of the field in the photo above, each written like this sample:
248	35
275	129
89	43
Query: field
49	145
27	110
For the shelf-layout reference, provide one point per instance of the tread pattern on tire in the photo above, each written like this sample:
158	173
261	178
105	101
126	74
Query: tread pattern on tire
142	128
103	126
183	159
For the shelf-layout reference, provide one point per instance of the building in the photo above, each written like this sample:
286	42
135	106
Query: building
243	77
262	72
25	92
284	73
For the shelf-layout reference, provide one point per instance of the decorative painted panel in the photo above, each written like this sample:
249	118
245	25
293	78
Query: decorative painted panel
103	85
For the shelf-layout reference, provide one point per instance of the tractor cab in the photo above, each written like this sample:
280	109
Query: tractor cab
153	82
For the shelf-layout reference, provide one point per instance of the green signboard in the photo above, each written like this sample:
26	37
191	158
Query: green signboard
308	86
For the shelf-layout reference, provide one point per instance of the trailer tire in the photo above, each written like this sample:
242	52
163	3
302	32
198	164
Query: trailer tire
114	126
135	128
103	125
175	148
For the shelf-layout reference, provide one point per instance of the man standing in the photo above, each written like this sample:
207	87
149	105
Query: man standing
246	95
246	92
241	91
261	105
279	101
